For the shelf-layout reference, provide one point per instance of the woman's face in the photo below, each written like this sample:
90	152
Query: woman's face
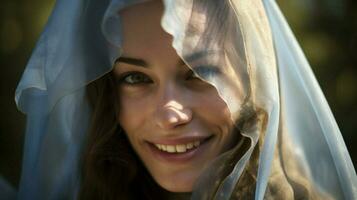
176	123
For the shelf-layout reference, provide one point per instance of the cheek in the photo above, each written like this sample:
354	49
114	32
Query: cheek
211	105
214	111
133	112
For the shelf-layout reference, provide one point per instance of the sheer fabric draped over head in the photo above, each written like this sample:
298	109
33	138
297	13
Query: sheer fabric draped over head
291	144
295	149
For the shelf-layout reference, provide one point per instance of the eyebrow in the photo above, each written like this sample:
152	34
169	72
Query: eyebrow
132	61
142	63
198	55
139	62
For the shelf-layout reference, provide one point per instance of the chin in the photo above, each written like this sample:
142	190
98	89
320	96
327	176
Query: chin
177	186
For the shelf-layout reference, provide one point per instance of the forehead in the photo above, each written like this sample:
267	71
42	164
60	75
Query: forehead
144	37
142	31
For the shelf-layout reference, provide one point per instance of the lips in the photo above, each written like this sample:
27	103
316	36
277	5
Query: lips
179	150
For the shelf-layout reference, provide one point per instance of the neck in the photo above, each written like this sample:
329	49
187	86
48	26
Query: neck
178	196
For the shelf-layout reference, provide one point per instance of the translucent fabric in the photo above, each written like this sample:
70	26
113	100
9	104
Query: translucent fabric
291	146
296	149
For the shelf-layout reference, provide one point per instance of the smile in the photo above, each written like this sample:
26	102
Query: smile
179	148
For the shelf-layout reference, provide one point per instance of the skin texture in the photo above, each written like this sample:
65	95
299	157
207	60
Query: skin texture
161	99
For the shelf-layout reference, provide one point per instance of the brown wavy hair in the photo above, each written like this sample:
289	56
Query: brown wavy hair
110	168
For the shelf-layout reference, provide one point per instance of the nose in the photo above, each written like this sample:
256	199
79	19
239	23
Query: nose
172	114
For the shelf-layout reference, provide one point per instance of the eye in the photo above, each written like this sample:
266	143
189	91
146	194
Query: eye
205	72
133	78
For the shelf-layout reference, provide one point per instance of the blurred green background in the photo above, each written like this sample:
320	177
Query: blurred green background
326	29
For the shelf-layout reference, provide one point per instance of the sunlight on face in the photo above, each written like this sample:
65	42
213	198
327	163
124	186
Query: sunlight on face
176	123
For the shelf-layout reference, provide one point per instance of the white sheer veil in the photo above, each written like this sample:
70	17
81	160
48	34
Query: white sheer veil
322	145
292	137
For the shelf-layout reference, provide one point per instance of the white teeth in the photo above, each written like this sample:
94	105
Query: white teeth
189	146
158	146
163	147
170	148
179	148
196	144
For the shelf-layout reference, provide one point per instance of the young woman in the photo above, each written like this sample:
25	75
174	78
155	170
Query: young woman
175	122
199	99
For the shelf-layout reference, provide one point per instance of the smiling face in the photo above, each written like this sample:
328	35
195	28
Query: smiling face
176	123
